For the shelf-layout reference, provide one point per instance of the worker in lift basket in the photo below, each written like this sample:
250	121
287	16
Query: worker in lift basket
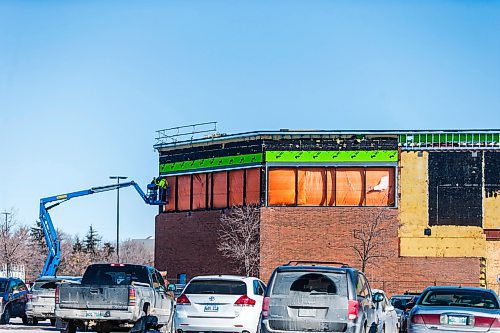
162	186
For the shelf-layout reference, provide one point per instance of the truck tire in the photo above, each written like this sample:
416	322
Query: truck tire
31	321
52	321
70	328
5	318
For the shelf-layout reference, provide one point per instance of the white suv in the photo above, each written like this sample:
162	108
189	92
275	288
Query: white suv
220	303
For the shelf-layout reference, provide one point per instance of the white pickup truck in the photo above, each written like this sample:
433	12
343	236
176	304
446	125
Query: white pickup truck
114	296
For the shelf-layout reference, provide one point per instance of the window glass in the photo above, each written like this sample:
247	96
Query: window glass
286	283
257	288
349	187
252	186
330	187
281	190
460	298
220	189
199	191
311	187
380	186
171	199
236	187
221	287
184	192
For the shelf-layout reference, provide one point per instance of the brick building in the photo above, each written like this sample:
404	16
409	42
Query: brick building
435	193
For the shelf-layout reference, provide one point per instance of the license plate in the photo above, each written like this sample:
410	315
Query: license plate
307	312
93	314
211	308
457	320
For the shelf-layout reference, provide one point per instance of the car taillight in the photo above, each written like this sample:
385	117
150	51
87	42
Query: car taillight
183	300
486	322
131	296
245	301
265	307
57	295
422	319
352	309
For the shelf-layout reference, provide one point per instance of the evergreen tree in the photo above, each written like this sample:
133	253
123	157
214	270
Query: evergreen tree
77	246
92	242
38	237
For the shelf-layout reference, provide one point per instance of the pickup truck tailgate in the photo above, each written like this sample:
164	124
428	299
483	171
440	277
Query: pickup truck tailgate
93	297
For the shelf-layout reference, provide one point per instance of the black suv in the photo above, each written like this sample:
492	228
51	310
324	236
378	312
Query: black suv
318	297
13	298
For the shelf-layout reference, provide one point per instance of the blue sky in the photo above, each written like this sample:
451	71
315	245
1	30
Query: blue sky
85	84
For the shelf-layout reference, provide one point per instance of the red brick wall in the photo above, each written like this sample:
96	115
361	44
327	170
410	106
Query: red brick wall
299	233
188	244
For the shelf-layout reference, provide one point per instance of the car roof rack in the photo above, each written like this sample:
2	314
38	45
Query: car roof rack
315	263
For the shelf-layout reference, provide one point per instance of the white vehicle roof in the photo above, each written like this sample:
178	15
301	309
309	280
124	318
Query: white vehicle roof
223	277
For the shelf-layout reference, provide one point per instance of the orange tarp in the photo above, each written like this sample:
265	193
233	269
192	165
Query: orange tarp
184	192
330	187
281	187
220	189
199	191
349	184
311	187
253	186
236	187
171	199
379	186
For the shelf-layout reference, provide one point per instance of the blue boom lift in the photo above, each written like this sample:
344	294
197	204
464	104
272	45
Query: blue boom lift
50	234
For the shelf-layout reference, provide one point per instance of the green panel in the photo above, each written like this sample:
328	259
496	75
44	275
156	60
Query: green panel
332	156
215	162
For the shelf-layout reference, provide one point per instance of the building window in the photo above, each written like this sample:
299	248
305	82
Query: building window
349	186
214	190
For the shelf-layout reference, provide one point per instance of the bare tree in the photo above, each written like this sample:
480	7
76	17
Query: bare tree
239	238
14	239
132	251
369	239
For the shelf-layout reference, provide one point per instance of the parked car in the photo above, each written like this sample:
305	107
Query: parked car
13	298
316	297
455	309
221	303
178	290
114	296
399	302
387	317
41	303
406	313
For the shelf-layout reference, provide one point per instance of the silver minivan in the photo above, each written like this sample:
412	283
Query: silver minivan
318	297
41	305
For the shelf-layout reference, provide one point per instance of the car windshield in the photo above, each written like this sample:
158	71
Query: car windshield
462	298
115	275
310	283
400	302
3	285
222	287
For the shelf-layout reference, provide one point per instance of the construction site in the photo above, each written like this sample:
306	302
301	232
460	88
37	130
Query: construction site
433	196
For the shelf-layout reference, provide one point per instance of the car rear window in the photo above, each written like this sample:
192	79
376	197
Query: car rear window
45	285
400	302
457	297
223	287
115	275
310	283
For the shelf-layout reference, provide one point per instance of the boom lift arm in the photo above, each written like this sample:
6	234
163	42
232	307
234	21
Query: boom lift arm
50	234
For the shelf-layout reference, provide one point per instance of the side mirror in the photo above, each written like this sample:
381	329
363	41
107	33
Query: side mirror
378	297
171	287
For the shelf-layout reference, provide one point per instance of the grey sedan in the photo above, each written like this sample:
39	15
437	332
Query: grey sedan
455	309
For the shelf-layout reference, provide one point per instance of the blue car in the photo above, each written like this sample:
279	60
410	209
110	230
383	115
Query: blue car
13	299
